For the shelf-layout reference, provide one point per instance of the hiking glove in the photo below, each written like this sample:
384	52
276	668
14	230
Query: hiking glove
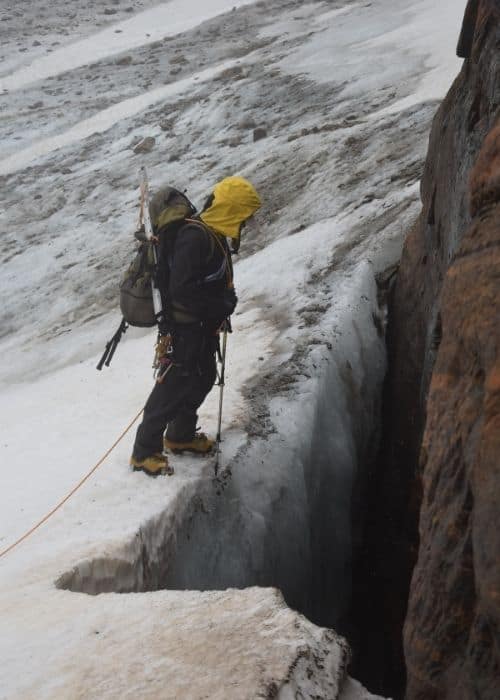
229	301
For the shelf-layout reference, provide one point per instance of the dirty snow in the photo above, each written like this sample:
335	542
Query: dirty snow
346	92
167	19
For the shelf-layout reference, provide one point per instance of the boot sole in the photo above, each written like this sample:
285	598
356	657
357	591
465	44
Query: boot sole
168	471
190	450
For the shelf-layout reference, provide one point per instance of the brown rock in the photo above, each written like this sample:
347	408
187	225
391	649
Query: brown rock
453	622
466	38
180	58
146	145
123	61
485	177
419	313
230	74
259	133
247	123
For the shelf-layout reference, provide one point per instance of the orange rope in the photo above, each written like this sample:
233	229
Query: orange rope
80	483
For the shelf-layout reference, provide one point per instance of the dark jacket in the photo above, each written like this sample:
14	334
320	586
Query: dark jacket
200	276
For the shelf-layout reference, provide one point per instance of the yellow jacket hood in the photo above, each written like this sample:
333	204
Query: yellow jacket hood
235	200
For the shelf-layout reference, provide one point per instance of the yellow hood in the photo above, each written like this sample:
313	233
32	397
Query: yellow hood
235	200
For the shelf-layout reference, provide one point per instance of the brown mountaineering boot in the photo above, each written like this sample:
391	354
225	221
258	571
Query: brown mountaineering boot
200	444
154	465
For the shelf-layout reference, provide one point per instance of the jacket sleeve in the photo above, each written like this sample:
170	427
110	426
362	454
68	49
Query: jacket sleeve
187	274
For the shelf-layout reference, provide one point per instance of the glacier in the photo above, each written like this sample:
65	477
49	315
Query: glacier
182	572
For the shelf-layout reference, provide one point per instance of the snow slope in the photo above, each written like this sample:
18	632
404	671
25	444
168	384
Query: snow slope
341	89
167	19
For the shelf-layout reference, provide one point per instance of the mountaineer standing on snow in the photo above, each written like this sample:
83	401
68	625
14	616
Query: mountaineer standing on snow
200	297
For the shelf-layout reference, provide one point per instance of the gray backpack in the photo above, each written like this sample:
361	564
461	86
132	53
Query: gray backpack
168	210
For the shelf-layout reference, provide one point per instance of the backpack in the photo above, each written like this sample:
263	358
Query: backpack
168	211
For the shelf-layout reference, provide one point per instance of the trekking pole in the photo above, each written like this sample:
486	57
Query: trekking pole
221	394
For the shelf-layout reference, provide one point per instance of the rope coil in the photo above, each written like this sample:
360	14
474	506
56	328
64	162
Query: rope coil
73	490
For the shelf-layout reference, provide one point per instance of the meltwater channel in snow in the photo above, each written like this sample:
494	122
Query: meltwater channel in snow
338	170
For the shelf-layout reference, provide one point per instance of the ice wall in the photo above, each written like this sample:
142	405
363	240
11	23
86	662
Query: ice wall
283	516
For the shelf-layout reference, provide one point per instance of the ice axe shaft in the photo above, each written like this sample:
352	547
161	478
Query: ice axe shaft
145	221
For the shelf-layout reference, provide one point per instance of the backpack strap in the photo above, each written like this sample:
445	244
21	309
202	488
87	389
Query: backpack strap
214	240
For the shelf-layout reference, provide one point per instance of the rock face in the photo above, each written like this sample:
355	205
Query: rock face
446	298
454	613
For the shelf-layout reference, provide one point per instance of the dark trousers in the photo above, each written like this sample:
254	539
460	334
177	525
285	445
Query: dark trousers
173	404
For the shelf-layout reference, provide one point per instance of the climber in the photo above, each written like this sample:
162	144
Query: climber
201	297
